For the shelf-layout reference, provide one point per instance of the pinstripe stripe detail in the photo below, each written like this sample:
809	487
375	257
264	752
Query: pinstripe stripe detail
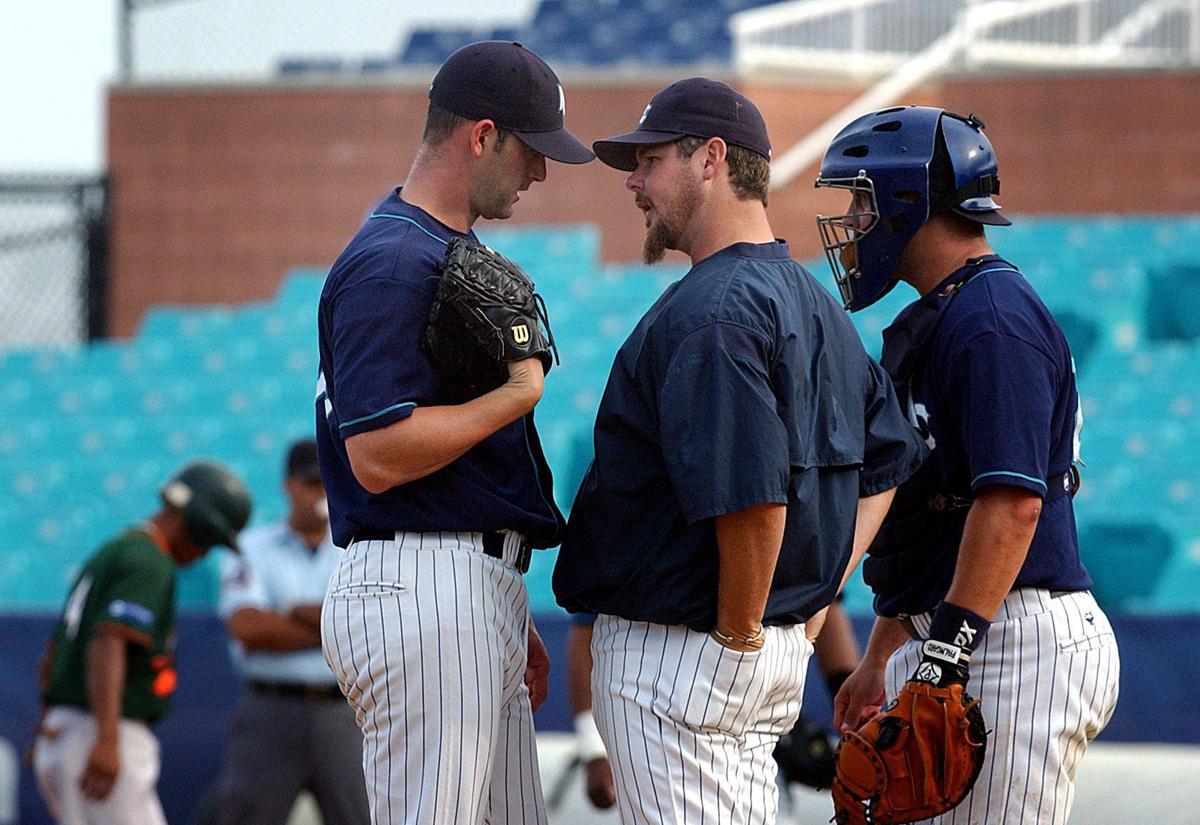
1047	674
698	749
431	615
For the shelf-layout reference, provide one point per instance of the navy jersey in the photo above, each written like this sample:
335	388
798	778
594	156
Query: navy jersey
991	387
744	384
373	310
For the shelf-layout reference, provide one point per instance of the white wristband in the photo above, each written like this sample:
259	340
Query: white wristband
588	744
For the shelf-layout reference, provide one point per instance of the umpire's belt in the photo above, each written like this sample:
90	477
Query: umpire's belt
493	544
294	691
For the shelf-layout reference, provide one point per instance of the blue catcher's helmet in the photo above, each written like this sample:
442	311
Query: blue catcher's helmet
903	165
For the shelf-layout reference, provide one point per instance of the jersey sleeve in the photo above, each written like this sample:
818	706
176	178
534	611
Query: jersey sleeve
379	372
892	450
241	586
723	442
137	594
1003	391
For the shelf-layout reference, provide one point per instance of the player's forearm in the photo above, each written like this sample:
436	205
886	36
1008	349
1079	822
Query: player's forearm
870	515
106	682
996	539
748	544
836	648
272	632
430	438
887	635
308	615
579	668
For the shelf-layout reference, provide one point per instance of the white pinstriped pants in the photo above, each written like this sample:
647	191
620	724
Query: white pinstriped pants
1047	679
690	725
427	637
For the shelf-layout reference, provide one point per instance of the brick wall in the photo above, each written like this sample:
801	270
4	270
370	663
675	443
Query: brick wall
218	191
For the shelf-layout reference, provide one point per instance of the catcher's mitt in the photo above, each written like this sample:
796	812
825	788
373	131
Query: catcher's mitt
485	314
916	759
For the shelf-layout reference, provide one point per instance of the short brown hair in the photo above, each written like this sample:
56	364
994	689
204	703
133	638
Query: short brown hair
749	172
440	124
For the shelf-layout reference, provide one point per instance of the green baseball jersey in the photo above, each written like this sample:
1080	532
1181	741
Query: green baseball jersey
131	582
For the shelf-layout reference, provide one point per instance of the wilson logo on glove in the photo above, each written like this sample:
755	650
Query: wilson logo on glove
485	315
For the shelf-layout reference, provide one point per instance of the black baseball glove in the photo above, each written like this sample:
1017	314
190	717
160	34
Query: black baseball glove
485	315
808	755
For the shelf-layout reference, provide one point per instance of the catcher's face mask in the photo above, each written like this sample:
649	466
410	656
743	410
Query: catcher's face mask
840	234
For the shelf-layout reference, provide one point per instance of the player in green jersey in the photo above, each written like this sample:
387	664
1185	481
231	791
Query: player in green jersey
108	672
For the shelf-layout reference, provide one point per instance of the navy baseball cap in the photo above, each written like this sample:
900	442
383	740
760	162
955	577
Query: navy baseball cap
695	107
302	461
507	83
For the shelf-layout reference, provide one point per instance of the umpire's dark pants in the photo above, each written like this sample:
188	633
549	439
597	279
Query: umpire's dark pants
280	745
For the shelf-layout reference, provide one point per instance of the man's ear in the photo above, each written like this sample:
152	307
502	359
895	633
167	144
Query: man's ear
714	155
480	132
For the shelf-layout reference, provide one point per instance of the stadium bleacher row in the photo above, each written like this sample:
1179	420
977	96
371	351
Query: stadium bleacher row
90	434
571	32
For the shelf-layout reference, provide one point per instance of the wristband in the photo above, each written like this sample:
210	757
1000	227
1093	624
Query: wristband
588	744
958	626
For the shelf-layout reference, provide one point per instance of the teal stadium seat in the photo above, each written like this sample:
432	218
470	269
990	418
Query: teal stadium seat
89	434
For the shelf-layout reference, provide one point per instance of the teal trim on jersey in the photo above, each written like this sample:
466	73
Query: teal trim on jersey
384	411
1009	473
406	220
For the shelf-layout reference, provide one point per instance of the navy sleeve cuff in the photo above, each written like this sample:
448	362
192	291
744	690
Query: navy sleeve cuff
1008	478
388	415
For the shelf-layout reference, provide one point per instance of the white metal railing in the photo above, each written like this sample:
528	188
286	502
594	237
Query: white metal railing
902	43
873	37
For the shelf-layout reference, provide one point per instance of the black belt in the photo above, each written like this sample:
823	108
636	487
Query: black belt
493	544
294	691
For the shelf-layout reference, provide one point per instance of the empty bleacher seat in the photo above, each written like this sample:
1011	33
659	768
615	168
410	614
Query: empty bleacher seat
90	434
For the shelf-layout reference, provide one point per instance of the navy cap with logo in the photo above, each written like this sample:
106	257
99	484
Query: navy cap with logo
507	83
695	107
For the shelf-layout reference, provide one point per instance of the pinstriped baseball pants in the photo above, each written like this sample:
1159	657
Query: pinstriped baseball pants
690	725
427	637
1047	679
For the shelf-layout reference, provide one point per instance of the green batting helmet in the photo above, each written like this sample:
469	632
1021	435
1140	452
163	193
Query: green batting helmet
214	501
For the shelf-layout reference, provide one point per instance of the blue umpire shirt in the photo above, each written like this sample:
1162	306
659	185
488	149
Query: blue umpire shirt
994	395
744	384
276	571
374	308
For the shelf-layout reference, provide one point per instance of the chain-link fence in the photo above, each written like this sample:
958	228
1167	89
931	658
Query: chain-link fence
53	260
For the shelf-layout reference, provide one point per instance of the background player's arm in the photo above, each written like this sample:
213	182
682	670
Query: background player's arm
308	615
263	630
999	529
748	544
105	690
861	695
591	752
871	512
432	437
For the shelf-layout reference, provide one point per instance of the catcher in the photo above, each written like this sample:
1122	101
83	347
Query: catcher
976	571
